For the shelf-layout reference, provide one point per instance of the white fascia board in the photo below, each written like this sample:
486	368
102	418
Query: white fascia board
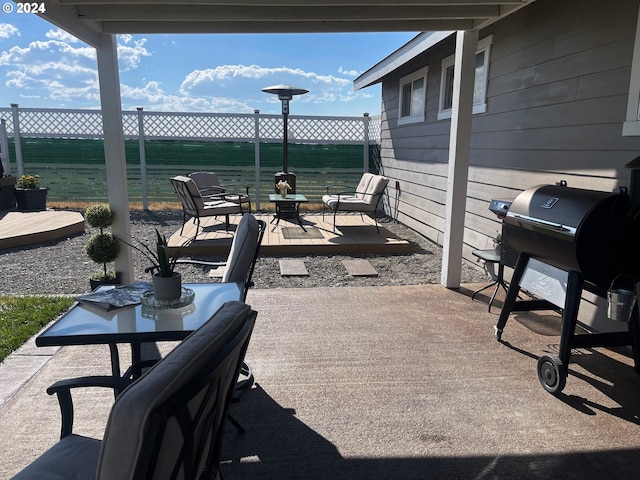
420	43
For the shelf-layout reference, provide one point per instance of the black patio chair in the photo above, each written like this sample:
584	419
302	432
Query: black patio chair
210	188
239	267
166	425
194	205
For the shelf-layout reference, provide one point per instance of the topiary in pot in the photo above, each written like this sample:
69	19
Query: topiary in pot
102	247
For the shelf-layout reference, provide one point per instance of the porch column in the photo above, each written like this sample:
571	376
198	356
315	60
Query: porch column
114	153
459	148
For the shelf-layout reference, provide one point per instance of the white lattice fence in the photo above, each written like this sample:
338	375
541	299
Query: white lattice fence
82	130
197	126
58	123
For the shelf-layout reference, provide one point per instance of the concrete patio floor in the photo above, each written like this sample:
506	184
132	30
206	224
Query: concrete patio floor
384	383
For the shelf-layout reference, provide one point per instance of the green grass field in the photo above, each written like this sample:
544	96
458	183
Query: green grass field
21	317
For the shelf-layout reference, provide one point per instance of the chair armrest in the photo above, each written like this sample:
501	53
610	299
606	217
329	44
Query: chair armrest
63	388
244	186
213	190
203	263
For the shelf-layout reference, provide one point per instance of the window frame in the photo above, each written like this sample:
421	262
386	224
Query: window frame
407	80
631	125
479	106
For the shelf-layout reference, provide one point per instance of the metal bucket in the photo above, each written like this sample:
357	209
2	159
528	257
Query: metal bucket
621	300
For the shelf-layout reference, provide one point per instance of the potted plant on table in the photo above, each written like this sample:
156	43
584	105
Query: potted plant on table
102	247
283	187
30	196
167	283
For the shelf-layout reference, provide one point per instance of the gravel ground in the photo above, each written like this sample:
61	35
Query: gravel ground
62	267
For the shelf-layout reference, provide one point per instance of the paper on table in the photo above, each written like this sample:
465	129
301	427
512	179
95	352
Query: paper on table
116	297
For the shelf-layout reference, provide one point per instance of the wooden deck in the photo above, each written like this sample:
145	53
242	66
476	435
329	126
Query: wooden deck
25	228
353	235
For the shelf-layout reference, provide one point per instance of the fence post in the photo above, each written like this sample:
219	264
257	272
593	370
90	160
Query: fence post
256	140
143	160
365	120
17	139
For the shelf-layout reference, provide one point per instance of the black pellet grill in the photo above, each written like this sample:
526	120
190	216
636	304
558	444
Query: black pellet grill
590	235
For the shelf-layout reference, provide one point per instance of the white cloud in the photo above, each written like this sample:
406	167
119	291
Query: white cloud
219	75
130	52
153	97
61	35
7	30
349	73
62	68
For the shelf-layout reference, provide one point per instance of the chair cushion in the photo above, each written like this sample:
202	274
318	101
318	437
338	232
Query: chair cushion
243	249
73	457
375	185
219	208
347	202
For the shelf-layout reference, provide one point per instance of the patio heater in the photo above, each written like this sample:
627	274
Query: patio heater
285	93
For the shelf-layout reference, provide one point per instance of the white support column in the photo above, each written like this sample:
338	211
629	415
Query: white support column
17	139
459	148
365	120
256	142
143	160
114	152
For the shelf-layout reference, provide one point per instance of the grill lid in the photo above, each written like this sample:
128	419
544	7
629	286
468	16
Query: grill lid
573	229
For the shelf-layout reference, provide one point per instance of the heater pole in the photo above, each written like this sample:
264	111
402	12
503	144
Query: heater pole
285	141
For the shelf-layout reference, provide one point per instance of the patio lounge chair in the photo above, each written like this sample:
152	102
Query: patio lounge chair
209	185
365	199
195	206
167	424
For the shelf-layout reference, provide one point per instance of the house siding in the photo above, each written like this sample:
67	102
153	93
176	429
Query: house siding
556	101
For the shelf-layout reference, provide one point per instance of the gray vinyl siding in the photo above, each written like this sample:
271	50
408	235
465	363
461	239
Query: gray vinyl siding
556	100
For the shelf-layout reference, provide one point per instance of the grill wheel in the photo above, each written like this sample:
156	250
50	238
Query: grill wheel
552	373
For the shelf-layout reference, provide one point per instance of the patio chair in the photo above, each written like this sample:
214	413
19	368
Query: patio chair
195	206
365	199
239	267
167	424
210	188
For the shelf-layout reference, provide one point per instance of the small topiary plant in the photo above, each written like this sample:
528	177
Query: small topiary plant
101	247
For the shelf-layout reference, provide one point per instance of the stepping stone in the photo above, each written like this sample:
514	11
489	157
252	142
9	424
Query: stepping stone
360	268
217	272
290	268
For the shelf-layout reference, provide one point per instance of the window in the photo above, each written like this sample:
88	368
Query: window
631	127
413	97
480	82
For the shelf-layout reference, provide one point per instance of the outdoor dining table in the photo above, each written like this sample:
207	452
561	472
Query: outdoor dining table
137	324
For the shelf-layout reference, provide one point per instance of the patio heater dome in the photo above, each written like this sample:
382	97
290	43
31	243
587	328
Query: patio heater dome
285	93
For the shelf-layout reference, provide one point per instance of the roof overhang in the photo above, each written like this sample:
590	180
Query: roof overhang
419	44
88	19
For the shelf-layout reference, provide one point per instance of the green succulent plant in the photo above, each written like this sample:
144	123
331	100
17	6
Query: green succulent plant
158	254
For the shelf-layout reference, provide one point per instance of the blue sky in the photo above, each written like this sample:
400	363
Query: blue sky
42	66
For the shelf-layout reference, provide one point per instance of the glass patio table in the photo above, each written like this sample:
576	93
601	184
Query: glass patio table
287	207
137	324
